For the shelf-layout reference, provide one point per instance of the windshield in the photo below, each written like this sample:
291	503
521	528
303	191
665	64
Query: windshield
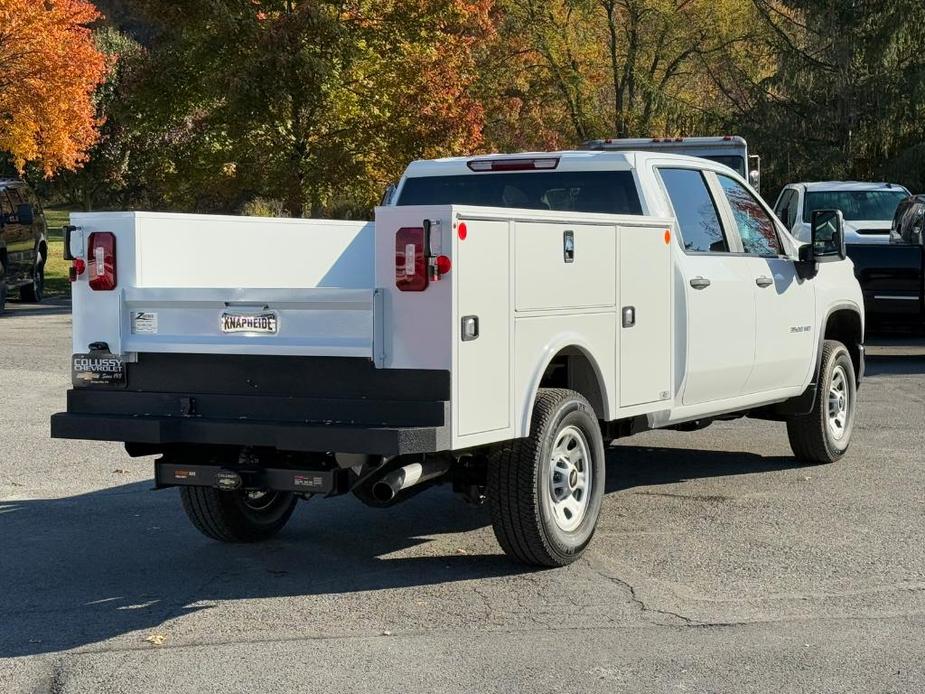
610	192
734	162
855	204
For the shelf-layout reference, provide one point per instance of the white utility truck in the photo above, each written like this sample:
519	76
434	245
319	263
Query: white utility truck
495	327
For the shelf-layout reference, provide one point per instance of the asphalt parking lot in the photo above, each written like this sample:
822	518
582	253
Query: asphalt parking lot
718	566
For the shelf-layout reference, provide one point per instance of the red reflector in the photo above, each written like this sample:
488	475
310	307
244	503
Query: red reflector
443	264
410	260
77	269
102	261
463	231
545	163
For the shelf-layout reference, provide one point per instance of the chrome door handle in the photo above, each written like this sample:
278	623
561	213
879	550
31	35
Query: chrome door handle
700	283
764	281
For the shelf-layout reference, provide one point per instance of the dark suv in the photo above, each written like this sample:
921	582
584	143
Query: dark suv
23	242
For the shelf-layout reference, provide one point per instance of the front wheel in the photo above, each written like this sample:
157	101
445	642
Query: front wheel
823	435
237	516
545	491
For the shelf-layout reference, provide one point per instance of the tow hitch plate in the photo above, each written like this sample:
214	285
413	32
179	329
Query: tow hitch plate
328	482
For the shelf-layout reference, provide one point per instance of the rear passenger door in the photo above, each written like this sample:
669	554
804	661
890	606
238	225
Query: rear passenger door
785	302
718	290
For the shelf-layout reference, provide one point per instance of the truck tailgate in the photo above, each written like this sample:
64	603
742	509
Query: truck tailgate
310	322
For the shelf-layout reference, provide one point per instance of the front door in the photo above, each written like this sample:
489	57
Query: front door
719	335
785	303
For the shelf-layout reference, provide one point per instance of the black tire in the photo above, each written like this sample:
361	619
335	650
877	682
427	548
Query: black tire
3	289
233	516
521	488
34	291
813	438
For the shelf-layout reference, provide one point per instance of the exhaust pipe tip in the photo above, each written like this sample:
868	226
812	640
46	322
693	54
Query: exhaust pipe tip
382	492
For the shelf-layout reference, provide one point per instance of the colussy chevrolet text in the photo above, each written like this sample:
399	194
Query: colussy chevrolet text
503	319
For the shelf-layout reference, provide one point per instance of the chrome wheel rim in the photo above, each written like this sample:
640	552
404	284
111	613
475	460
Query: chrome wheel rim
570	478
839	405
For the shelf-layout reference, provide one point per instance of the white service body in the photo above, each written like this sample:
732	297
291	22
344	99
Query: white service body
689	354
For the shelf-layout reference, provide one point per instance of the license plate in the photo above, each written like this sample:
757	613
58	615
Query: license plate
263	323
96	369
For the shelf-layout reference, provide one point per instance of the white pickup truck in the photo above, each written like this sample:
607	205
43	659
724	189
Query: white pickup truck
499	323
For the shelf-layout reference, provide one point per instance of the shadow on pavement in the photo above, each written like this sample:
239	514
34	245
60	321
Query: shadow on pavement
638	466
894	365
78	570
57	306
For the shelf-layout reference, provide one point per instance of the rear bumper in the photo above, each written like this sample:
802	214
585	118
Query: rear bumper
288	436
310	404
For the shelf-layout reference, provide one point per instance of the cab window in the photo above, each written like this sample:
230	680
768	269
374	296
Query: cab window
698	219
786	209
754	224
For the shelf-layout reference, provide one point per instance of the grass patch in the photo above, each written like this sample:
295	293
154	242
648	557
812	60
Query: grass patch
57	283
56	269
56	218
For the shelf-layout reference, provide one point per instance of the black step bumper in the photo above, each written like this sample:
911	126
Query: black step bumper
310	404
287	436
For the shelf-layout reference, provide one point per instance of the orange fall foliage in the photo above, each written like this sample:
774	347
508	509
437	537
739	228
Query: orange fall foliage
49	69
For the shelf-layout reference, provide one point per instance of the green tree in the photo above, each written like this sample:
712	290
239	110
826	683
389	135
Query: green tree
847	96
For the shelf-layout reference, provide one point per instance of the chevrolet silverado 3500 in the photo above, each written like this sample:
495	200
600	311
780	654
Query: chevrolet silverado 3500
498	324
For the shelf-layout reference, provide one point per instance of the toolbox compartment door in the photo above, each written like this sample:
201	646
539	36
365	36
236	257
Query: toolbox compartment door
645	346
483	372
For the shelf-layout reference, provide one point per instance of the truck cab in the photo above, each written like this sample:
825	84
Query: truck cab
868	208
503	319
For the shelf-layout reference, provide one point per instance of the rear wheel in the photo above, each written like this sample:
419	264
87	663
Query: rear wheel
239	515
545	492
35	290
823	435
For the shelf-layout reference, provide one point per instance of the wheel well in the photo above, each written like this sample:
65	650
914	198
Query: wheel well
844	325
43	251
572	368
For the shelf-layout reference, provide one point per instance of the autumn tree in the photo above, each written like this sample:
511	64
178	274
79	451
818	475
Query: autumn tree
319	104
49	69
594	68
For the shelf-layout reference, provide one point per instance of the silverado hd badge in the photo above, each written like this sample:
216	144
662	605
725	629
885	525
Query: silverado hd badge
97	368
262	323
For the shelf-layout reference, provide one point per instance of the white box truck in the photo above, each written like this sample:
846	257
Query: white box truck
499	323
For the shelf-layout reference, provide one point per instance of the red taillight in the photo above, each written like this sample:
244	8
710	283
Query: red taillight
443	265
411	259
101	261
77	269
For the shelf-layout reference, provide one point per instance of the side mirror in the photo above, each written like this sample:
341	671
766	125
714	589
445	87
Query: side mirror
754	178
828	235
25	214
